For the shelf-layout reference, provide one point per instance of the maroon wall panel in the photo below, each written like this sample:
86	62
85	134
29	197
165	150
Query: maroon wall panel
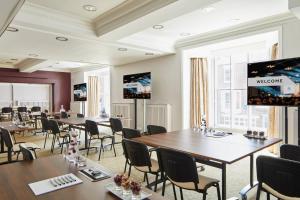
60	81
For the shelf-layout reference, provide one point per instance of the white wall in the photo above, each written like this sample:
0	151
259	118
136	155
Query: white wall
166	84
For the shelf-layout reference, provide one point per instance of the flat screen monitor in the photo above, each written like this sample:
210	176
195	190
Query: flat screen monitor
80	92
274	83
137	86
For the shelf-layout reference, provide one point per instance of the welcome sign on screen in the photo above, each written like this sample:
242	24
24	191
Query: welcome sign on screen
274	83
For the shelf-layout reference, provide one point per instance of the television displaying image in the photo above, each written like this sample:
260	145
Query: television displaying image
80	92
137	86
274	83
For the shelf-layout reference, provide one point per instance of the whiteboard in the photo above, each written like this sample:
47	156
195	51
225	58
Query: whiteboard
23	92
6	92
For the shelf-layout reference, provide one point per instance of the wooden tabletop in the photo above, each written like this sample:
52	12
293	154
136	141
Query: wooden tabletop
81	121
16	177
11	127
227	149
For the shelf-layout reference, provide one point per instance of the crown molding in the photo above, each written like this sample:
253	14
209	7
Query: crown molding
265	23
126	12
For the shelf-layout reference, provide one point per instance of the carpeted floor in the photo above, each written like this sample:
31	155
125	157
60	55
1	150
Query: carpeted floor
237	173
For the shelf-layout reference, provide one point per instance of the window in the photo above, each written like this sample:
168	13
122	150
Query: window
230	92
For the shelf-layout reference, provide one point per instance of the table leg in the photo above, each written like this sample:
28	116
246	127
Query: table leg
85	139
252	183
2	144
223	181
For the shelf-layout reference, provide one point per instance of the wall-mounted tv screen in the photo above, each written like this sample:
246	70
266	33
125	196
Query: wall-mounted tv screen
80	92
274	83
137	86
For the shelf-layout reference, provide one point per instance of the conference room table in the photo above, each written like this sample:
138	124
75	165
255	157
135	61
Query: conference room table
213	151
79	123
15	178
12	128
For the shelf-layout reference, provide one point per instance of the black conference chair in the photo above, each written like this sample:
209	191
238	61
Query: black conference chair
45	128
181	170
279	177
139	157
79	115
57	135
14	147
154	129
94	134
43	114
290	152
116	128
129	134
64	115
27	153
6	113
35	109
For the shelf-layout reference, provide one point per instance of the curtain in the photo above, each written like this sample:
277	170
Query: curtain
273	128
199	91
93	96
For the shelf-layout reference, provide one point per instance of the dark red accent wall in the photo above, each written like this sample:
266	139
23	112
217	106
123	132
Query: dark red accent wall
61	83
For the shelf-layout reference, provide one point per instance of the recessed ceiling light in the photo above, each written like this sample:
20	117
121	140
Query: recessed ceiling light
89	8
185	34
208	9
62	39
122	49
33	55
14	59
50	66
149	54
158	26
12	29
9	62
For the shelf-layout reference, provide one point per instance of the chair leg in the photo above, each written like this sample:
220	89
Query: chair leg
62	145
204	195
268	196
89	147
181	194
34	153
218	191
101	148
174	191
113	146
129	170
164	187
45	140
125	165
156	180
147	180
258	192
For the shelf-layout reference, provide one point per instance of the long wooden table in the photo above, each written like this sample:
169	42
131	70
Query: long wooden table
77	122
216	152
16	177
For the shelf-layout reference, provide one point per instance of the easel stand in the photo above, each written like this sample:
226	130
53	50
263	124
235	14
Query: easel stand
83	107
135	113
286	125
144	115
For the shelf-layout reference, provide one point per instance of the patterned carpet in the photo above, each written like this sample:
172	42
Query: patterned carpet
237	173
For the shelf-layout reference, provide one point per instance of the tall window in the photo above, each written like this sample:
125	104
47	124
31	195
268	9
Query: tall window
230	92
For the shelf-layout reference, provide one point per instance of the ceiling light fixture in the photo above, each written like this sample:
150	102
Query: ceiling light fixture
158	27
185	34
9	62
14	59
208	9
122	49
12	29
62	39
149	54
33	55
89	8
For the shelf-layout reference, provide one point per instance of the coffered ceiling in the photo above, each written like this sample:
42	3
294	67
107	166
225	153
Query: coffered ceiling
64	36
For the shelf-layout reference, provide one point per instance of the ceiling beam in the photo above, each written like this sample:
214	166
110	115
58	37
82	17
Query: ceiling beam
30	65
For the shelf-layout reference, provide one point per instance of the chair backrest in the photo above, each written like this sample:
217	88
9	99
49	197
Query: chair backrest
22	109
43	115
290	152
79	115
137	153
178	166
129	133
116	125
280	174
154	129
27	154
35	109
91	127
7	138
64	115
45	124
7	110
53	126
